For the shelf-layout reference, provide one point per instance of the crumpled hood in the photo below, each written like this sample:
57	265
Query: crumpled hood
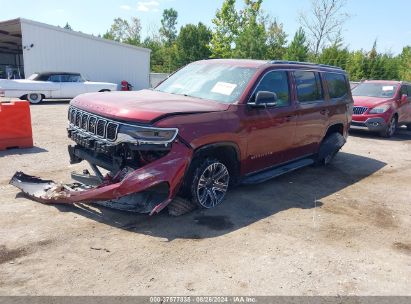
143	106
370	102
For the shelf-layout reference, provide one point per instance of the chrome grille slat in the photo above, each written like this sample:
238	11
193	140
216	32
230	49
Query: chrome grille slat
93	124
359	110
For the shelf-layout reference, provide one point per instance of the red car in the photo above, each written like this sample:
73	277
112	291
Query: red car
212	124
381	106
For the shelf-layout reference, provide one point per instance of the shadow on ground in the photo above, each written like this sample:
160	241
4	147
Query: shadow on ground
402	134
244	205
48	102
17	151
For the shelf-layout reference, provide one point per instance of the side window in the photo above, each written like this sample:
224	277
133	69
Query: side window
308	86
276	82
54	78
403	91
337	85
65	78
409	91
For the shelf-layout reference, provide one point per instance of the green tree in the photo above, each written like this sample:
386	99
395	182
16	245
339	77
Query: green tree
226	24
298	48
355	65
157	60
251	39
126	32
192	43
276	40
404	65
117	30
168	28
334	55
68	26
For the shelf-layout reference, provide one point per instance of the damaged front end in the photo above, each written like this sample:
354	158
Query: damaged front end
145	165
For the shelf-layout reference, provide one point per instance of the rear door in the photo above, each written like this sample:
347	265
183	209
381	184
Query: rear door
270	130
312	110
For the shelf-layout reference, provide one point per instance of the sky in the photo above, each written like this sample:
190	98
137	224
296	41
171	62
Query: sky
387	21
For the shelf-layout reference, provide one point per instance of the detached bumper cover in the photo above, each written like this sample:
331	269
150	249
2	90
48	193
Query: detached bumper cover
168	170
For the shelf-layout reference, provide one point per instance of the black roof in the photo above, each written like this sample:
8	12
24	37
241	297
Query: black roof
57	73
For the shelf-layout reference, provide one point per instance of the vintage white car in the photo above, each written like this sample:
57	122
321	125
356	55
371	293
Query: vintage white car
55	85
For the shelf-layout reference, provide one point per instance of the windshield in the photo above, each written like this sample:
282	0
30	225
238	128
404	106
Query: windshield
381	90
219	82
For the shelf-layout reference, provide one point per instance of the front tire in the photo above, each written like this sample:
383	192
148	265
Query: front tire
391	128
34	98
210	183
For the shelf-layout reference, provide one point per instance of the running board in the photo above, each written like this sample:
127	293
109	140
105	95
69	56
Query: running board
272	173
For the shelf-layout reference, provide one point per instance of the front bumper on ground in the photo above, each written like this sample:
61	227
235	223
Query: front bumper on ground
137	191
376	124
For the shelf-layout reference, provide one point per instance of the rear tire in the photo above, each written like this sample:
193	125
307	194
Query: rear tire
329	148
34	98
391	128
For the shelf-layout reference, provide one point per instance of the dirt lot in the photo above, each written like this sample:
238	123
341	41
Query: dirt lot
341	230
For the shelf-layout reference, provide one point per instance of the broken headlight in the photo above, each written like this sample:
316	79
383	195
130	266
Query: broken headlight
147	135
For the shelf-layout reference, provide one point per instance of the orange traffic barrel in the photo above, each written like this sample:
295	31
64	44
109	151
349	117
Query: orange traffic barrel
15	125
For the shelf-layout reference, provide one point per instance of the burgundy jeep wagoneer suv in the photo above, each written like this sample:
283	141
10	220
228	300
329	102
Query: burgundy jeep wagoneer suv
211	124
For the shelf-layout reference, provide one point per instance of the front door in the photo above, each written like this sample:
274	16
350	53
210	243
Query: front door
270	130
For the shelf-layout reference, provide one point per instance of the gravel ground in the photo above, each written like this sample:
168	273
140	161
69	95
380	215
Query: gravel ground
341	230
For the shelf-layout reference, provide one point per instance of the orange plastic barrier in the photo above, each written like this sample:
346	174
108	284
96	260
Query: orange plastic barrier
15	125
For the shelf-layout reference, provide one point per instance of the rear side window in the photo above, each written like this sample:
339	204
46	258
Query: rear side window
337	85
275	82
54	78
308	86
404	91
409	91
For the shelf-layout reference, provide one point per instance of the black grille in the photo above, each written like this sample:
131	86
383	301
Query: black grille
84	120
360	110
72	116
101	126
111	131
93	124
78	119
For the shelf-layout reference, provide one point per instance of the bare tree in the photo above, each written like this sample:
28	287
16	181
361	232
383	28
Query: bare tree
324	22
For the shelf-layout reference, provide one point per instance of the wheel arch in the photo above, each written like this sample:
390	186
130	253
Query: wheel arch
227	152
337	127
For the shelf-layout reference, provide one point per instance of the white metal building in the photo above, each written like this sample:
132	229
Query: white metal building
27	47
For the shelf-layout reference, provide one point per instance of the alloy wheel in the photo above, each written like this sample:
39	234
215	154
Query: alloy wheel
212	185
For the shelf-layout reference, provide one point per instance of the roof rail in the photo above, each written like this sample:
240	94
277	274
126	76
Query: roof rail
304	63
